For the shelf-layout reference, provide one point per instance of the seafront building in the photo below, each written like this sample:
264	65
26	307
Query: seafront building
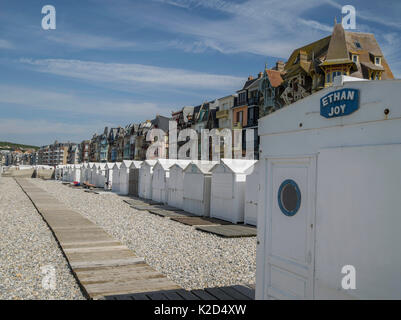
308	69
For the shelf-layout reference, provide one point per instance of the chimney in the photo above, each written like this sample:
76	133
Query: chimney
280	66
250	78
303	57
260	75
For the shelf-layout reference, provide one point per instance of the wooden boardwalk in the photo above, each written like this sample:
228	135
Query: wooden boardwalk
104	267
222	293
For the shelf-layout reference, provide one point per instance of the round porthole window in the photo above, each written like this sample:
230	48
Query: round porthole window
289	197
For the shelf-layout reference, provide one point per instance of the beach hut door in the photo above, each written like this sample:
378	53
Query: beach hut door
289	241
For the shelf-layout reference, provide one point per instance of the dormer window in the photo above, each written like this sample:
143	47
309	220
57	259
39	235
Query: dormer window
358	45
355	58
378	61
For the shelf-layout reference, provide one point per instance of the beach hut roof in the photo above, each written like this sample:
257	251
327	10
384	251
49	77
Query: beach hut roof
236	165
126	163
117	165
202	166
135	164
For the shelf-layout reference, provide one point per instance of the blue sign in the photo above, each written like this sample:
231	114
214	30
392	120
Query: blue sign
339	103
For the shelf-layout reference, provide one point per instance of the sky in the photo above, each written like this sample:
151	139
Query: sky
116	62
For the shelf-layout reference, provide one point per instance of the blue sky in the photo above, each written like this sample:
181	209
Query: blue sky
111	63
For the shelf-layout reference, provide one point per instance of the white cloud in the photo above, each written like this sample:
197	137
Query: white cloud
70	104
134	74
5	44
88	41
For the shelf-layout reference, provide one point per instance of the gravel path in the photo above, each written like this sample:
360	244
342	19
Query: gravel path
191	258
28	248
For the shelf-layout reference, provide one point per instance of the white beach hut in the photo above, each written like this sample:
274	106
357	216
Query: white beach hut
175	184
251	196
197	183
93	173
115	187
329	201
76	172
124	176
109	176
100	175
160	178
133	179
129	173
227	198
145	179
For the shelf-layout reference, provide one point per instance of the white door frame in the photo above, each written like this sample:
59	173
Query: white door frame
265	215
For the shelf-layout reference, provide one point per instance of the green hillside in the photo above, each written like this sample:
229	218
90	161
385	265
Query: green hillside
4	145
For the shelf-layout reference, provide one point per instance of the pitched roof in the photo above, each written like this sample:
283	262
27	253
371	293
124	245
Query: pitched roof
274	77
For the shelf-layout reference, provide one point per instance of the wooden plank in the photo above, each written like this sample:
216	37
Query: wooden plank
219	294
229	231
172	295
105	263
249	292
187	295
157	296
203	295
234	293
199	221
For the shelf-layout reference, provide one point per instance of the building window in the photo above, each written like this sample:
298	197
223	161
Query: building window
328	77
377	61
336	74
240	116
355	58
358	45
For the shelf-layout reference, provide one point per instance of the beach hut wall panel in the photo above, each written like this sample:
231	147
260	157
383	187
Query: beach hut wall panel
109	176
93	173
251	197
101	175
227	198
329	195
175	184
124	177
197	184
145	179
116	177
159	179
133	179
77	173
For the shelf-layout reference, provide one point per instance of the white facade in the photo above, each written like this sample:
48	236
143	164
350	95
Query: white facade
159	179
340	177
100	175
115	187
109	176
227	198
197	184
124	176
133	180
145	179
175	184
251	196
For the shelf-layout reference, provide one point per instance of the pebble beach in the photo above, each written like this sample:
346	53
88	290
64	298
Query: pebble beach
191	258
28	250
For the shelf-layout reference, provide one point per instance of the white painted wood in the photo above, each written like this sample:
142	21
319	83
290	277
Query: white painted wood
251	196
356	197
228	189
197	186
145	179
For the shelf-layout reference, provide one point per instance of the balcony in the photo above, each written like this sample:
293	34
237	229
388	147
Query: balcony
253	101
223	114
237	125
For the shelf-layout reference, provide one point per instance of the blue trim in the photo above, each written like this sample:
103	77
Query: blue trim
284	210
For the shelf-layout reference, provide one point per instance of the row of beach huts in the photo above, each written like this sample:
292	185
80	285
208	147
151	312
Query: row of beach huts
225	189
